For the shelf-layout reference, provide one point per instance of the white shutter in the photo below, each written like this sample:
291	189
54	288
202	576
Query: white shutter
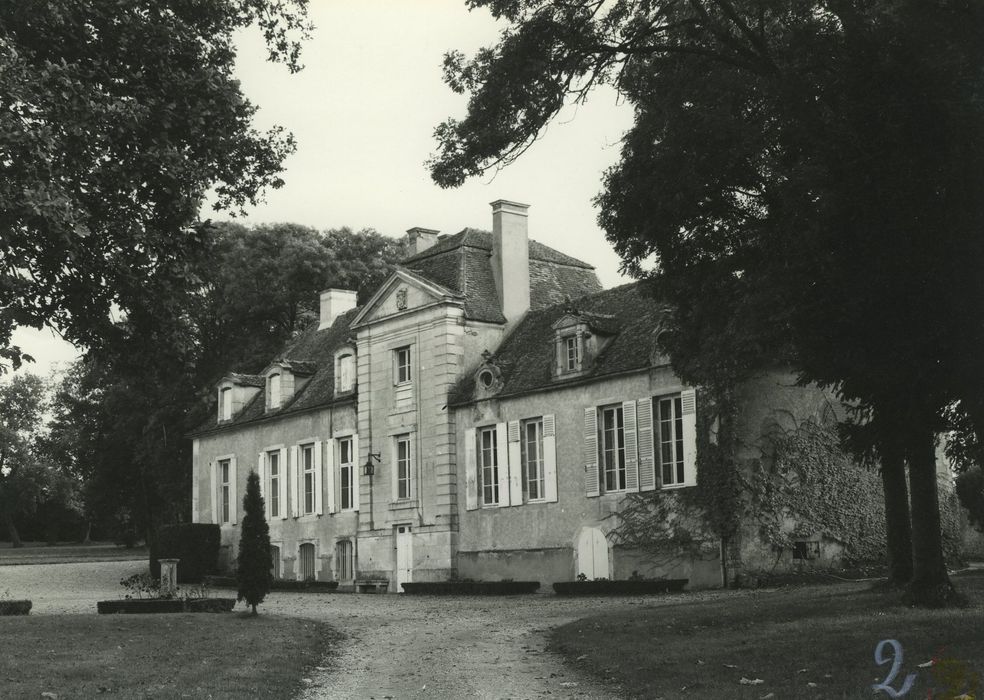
261	473
515	465
282	483
213	469
502	460
319	501
591	485
550	459
647	455
295	483
688	403
631	446
471	477
233	491
356	471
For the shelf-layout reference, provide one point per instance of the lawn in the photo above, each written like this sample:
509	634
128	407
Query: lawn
65	553
161	656
810	642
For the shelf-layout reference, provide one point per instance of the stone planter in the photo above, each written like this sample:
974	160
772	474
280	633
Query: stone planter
672	585
15	607
165	605
471	587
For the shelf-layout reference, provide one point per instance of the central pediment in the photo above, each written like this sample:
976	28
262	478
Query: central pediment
403	293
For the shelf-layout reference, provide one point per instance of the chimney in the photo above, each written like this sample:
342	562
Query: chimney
335	302
511	257
421	239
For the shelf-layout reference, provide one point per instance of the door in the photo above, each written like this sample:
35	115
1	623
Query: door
404	556
307	562
592	554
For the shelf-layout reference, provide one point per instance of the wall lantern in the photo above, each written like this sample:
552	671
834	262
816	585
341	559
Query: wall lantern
369	467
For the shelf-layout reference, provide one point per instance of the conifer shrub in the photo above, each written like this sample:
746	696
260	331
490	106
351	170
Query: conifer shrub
196	545
253	573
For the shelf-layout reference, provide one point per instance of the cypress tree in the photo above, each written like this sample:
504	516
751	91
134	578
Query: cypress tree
253	573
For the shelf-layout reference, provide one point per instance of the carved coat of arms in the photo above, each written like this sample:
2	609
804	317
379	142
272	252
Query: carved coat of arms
401	299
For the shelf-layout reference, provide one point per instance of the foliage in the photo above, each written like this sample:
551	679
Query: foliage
195	545
141	586
253	572
970	491
120	119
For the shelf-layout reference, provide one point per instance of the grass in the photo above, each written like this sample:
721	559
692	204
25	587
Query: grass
67	553
789	639
161	656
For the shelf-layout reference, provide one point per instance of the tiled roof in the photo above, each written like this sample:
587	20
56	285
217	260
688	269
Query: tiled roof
245	379
462	263
312	353
527	356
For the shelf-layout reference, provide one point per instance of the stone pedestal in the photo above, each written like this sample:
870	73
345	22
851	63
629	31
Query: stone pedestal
169	577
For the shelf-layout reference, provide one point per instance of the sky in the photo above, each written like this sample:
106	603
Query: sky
363	112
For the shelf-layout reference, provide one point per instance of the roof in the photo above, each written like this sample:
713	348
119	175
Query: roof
526	358
462	263
312	354
245	379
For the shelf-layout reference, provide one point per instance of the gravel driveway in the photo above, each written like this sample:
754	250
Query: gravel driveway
397	646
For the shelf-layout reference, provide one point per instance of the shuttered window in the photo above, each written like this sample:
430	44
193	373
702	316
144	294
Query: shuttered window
488	466
532	457
308	479
346	472
225	490
273	468
611	440
404	468
670	421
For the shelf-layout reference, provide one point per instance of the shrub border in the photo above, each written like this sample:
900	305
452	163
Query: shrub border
620	587
277	585
471	587
15	607
165	605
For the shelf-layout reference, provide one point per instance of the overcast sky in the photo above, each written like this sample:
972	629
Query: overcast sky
363	111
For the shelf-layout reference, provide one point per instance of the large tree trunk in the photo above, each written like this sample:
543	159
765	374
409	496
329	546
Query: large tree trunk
8	520
898	529
930	585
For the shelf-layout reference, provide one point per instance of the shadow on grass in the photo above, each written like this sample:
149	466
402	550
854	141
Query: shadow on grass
811	642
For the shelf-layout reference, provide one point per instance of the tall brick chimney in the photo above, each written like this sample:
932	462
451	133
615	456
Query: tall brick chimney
335	302
511	257
421	239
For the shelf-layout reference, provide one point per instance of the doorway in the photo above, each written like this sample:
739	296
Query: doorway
404	556
592	554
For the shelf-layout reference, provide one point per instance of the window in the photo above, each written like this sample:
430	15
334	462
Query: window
612	448
531	446
488	466
346	372
669	419
275	561
273	465
305	555
346	467
225	404
224	489
404	469
343	558
307	478
273	390
401	360
572	354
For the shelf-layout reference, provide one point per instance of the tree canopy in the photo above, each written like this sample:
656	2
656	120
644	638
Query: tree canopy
117	119
801	183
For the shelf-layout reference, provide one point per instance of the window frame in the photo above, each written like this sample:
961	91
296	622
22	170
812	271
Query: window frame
305	470
225	485
403	463
537	424
272	457
674	424
402	371
340	365
225	403
571	352
274	397
345	559
617	468
488	473
343	469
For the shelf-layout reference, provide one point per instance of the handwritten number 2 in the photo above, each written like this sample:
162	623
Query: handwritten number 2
880	659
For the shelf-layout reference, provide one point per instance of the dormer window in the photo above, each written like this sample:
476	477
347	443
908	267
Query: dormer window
572	353
273	391
345	372
225	403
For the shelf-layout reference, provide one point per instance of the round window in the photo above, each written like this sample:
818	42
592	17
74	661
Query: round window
486	378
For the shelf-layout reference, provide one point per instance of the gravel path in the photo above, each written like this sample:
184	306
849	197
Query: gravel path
397	646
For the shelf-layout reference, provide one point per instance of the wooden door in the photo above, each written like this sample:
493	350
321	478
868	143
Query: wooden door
404	556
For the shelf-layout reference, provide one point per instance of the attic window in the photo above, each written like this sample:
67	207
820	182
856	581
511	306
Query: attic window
225	404
273	390
572	353
346	372
486	378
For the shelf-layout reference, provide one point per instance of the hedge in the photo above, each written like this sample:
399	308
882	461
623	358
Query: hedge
626	587
195	544
15	607
277	585
471	587
165	605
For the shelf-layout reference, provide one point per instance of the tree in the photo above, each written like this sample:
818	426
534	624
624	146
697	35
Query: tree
117	120
806	170
23	476
254	574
